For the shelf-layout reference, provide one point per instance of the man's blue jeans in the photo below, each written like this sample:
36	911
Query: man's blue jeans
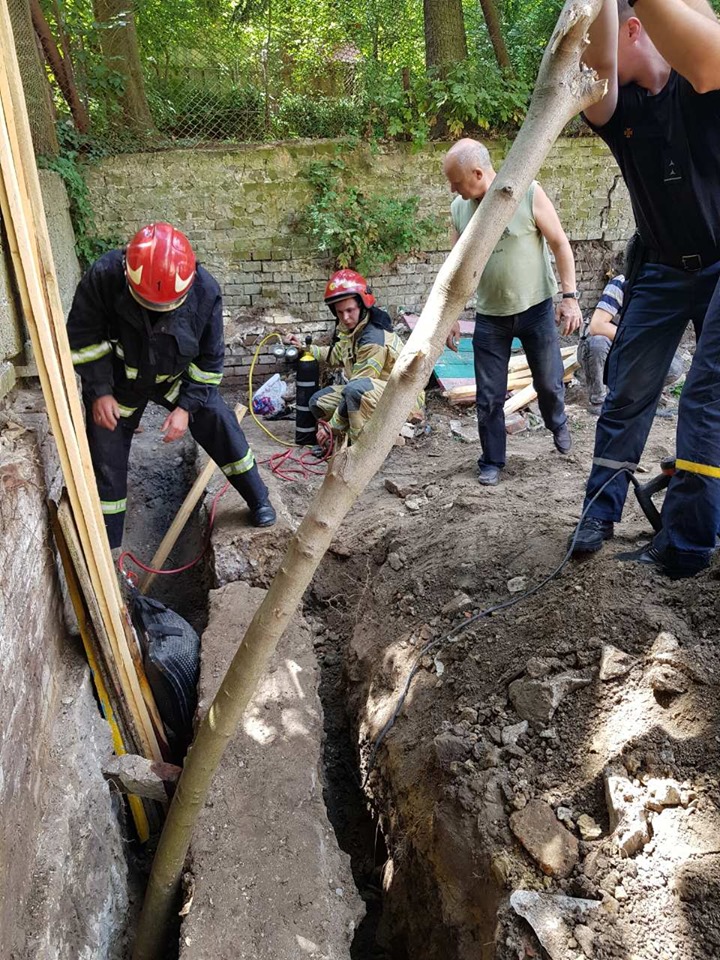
492	340
661	303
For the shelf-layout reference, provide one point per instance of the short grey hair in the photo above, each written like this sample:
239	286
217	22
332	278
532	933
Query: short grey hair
469	154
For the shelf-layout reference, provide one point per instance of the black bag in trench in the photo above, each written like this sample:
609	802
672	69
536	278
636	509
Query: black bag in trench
171	655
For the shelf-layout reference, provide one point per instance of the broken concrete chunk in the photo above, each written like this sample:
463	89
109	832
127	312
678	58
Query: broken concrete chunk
400	489
458	604
512	733
554	848
628	819
517	584
537	700
614	663
485	754
589	829
667	680
585	938
553	918
663	643
141	777
449	748
464	430
413	504
395	561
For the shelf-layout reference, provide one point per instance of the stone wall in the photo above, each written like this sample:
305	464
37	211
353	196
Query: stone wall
239	205
15	350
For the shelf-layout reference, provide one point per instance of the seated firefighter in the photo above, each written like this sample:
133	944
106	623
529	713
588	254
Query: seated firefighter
146	324
596	339
364	348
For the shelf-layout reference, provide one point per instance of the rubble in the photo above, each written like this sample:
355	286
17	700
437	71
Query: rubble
628	818
537	700
458	604
142	777
554	919
589	829
553	847
615	663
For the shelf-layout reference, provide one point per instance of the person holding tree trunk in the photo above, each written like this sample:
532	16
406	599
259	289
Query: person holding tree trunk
514	299
661	119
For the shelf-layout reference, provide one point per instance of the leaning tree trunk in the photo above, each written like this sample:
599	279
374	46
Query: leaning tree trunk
118	39
492	22
564	88
445	40
61	67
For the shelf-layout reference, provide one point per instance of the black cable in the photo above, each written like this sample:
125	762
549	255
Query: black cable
462	627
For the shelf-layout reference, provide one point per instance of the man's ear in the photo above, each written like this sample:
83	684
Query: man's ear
634	29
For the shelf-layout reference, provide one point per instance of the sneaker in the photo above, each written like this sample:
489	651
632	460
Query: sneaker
263	515
591	534
562	440
488	474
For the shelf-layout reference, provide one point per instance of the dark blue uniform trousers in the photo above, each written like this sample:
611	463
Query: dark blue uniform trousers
214	426
661	303
492	341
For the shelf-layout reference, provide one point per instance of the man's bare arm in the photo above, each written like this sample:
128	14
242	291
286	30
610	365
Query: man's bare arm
687	34
601	55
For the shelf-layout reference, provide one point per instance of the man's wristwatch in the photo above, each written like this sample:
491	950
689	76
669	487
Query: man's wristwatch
571	296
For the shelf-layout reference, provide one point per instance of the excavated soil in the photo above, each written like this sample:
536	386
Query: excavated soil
461	762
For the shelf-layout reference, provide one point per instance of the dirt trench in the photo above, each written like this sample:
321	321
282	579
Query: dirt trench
442	836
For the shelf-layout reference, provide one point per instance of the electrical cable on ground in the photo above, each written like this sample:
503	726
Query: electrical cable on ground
462	627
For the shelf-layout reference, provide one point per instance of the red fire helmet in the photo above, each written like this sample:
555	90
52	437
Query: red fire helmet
160	266
348	283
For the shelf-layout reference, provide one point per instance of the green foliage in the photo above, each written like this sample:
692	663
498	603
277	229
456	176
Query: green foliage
302	116
185	109
89	244
357	229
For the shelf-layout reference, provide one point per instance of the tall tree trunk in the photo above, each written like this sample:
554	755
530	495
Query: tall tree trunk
118	39
492	22
61	68
445	40
563	89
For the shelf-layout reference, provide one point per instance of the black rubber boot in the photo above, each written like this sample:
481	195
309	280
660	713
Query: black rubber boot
591	534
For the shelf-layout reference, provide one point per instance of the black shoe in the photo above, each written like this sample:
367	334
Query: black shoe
263	515
488	474
591	534
650	556
562	440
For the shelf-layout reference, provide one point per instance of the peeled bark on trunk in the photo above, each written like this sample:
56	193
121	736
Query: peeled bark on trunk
563	89
492	22
118	39
61	68
445	40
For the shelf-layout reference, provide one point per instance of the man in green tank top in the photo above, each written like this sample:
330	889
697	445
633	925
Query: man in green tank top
515	299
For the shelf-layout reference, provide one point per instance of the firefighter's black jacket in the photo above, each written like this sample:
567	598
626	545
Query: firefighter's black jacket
119	347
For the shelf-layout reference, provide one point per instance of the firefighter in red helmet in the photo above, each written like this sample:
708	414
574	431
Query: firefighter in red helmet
146	325
364	350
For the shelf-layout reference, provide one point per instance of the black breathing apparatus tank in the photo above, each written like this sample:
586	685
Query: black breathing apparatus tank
308	383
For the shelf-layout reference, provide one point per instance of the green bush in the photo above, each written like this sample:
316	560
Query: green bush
299	115
356	229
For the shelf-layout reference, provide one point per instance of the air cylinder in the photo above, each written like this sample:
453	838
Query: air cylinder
308	383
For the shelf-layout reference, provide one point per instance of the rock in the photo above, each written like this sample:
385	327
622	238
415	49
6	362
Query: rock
541	667
537	700
511	734
144	778
413	504
589	829
517	584
585	938
408	431
458	604
628	819
449	748
667	680
401	490
663	793
464	430
553	847
515	423
564	815
469	713
663	644
431	491
485	754
552	918
394	561
615	663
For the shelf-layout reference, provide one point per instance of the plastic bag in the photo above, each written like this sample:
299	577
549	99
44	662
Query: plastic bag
269	398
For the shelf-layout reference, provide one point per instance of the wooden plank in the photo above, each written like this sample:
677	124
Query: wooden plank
183	514
23	212
526	396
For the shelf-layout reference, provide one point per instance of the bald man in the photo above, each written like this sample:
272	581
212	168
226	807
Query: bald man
514	299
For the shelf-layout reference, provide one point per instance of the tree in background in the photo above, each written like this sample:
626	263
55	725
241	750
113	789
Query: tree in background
118	39
445	40
492	21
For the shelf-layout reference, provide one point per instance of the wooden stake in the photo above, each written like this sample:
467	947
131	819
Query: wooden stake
183	514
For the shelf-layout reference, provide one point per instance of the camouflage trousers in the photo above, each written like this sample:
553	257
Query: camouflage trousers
348	407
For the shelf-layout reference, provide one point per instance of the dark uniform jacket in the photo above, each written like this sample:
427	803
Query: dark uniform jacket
120	348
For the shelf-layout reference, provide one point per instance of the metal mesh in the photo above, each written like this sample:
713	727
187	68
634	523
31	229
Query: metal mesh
35	84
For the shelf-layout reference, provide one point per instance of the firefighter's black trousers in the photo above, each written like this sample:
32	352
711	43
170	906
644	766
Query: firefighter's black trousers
213	426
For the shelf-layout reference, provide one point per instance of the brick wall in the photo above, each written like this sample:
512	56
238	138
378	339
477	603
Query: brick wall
238	206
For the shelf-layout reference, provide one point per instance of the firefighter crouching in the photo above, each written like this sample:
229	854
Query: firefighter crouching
146	324
364	349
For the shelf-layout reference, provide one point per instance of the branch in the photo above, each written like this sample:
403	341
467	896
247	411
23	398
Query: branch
563	88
